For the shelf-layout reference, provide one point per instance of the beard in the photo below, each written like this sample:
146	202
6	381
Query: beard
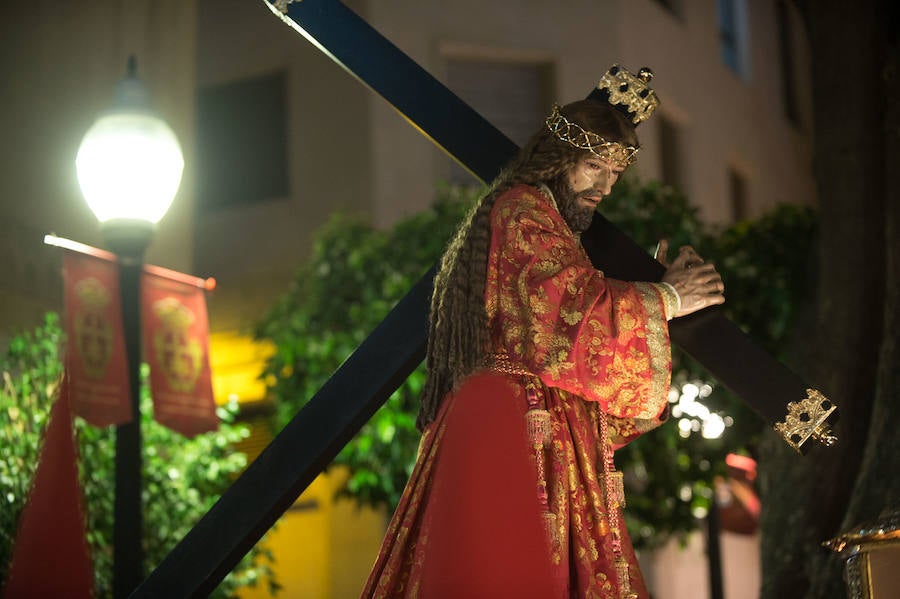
576	215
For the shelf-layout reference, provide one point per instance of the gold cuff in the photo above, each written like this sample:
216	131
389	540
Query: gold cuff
671	299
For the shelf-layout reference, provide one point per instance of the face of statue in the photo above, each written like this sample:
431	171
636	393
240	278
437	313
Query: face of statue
580	190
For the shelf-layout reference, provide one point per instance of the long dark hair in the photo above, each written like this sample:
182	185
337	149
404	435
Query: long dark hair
458	336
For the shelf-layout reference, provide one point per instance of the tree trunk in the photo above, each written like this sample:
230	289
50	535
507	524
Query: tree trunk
808	500
879	483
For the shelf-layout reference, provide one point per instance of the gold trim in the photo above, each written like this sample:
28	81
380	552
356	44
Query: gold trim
862	543
808	419
886	529
858	577
501	362
857	547
659	349
578	137
671	299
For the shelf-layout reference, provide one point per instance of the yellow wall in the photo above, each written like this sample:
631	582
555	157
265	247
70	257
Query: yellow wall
323	548
236	362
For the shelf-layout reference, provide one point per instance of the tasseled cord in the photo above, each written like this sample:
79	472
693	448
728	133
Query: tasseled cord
615	500
537	420
540	433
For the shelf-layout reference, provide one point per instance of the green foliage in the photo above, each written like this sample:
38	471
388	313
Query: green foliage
182	477
29	383
771	261
652	211
356	274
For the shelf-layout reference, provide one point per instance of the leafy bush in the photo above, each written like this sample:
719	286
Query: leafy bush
182	477
353	278
356	273
29	384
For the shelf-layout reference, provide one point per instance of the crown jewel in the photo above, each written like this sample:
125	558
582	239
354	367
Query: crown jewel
575	135
628	92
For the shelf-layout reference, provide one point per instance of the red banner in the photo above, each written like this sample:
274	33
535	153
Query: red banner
176	345
95	352
50	554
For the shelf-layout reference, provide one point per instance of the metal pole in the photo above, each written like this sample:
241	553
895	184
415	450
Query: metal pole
714	551
128	241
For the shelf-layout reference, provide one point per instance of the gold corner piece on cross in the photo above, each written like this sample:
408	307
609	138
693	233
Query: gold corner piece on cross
808	419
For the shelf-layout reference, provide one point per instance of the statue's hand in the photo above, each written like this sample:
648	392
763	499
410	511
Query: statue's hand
698	283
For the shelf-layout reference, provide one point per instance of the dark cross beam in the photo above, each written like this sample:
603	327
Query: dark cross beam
367	378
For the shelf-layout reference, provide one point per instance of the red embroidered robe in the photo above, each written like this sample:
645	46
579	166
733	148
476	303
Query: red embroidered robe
473	520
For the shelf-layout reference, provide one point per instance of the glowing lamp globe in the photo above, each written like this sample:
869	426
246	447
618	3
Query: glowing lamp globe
129	163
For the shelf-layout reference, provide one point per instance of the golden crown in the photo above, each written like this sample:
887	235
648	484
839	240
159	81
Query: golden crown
628	92
577	136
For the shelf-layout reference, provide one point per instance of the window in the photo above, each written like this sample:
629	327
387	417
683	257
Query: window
786	57
242	142
670	155
737	193
515	97
732	17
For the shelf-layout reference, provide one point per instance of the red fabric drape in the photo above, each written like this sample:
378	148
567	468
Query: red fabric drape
485	531
50	554
469	524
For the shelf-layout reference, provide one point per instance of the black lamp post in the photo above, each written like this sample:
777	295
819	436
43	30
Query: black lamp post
129	167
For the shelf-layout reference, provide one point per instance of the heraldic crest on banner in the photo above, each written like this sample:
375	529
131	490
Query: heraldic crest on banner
93	329
174	338
178	354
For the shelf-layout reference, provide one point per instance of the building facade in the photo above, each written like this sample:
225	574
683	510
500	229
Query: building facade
732	131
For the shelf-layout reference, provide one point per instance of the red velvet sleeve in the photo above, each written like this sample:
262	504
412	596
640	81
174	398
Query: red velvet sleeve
553	312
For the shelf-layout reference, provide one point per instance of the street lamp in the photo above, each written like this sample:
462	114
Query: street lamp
129	167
